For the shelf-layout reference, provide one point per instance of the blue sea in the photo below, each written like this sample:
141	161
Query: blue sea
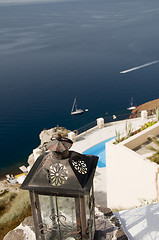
52	51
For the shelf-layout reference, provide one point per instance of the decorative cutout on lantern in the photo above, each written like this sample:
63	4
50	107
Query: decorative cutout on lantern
58	174
79	164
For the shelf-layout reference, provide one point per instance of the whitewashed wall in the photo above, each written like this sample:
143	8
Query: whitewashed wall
141	137
130	179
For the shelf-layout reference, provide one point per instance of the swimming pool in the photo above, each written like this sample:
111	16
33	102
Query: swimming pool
99	150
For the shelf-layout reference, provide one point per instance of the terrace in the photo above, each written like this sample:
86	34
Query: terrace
127	180
85	141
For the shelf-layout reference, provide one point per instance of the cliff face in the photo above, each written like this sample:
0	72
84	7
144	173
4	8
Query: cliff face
150	107
45	136
14	207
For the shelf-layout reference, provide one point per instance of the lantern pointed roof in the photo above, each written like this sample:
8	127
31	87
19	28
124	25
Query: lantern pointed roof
58	144
51	174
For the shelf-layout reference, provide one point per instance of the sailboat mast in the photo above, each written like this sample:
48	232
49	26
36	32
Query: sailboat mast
131	101
75	110
74	105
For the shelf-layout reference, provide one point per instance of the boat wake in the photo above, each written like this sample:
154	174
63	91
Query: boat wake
141	66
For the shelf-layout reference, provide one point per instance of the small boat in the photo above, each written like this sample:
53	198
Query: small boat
75	110
132	107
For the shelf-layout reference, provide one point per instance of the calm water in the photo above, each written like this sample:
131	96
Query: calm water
51	52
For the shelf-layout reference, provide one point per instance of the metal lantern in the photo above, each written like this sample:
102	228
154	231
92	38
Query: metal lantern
61	193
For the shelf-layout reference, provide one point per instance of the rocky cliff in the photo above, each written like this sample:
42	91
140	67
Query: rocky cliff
150	107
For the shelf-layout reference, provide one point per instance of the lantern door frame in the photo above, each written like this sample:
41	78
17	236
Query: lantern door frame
83	224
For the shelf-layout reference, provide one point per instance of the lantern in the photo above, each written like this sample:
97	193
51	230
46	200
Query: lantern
61	192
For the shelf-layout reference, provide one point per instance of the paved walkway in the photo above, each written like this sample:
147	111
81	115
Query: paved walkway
91	138
141	223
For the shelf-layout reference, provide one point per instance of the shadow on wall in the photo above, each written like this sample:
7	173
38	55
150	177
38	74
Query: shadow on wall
140	223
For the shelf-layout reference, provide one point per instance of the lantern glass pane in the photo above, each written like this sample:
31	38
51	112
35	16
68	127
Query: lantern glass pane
58	217
67	216
48	216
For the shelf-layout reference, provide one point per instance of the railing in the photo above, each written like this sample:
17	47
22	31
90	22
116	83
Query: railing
106	120
86	127
116	117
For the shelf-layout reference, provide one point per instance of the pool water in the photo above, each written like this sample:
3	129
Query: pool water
99	150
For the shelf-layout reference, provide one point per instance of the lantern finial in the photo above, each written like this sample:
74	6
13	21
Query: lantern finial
58	136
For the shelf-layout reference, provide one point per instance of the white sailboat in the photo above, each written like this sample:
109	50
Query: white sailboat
132	107
75	110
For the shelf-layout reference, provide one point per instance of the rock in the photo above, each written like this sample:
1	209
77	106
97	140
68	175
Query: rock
28	221
31	160
108	226
37	152
16	234
25	231
107	211
150	107
8	187
3	187
120	235
46	135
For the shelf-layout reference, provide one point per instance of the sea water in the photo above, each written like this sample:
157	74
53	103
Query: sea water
52	51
